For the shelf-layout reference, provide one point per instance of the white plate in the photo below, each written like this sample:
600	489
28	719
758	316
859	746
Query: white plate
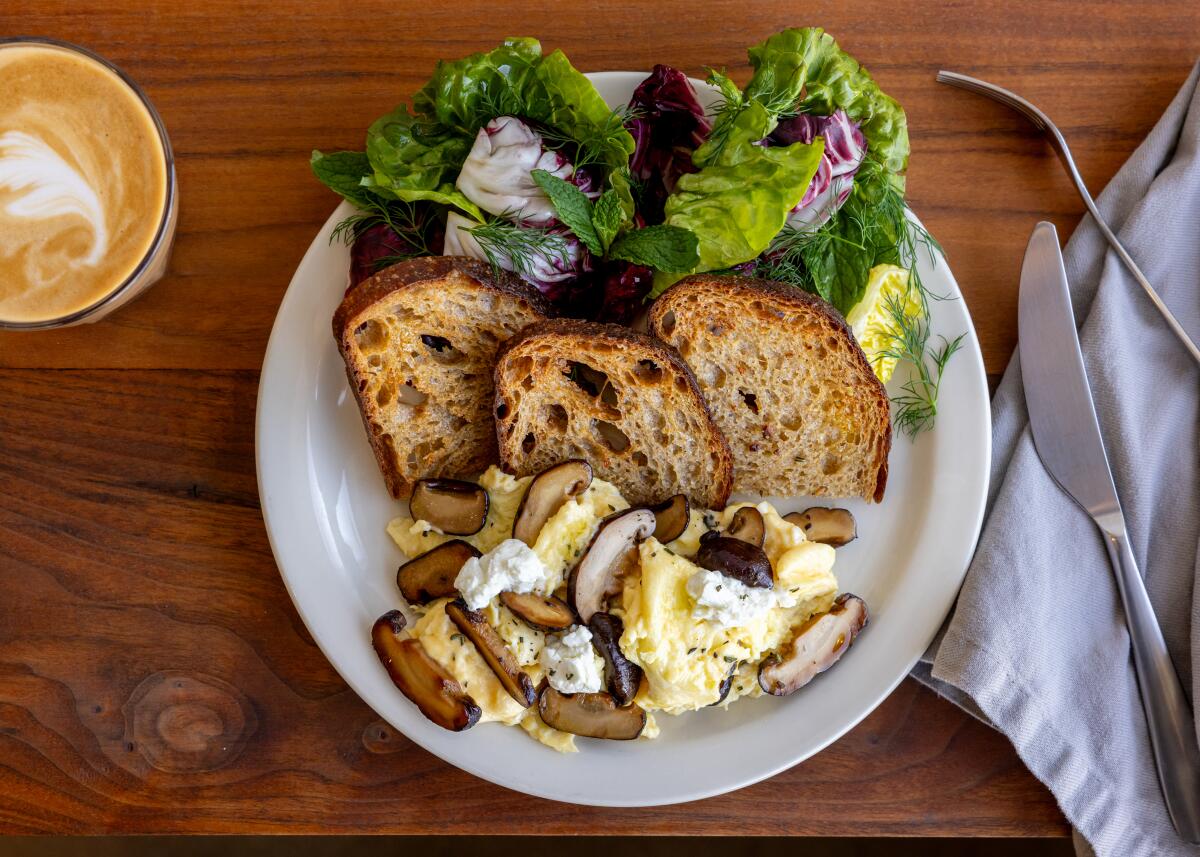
325	507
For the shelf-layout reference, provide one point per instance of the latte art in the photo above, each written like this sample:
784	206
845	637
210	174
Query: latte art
41	185
82	182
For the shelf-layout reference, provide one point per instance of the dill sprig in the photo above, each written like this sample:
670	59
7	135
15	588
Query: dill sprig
872	228
917	402
521	247
404	218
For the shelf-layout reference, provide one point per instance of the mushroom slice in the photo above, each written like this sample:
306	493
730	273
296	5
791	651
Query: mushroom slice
817	646
420	677
735	558
592	715
671	518
747	525
546	494
624	676
493	649
431	575
594	577
834	527
453	506
544	612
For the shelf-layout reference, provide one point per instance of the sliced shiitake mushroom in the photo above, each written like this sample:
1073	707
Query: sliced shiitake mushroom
420	677
493	649
624	676
671	518
833	527
817	646
546	494
544	612
594	577
592	715
747	524
453	506
431	575
735	558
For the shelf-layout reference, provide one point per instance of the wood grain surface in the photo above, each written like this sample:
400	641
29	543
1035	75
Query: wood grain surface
154	676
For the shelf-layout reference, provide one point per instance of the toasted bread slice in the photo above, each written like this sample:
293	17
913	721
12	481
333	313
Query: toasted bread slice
787	382
420	340
622	400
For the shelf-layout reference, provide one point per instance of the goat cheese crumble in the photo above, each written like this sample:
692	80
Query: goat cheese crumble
511	566
730	603
571	662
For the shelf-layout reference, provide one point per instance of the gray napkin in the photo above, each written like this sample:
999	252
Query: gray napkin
1037	644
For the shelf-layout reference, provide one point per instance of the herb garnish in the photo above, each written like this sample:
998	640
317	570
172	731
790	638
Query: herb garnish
666	248
520	246
834	261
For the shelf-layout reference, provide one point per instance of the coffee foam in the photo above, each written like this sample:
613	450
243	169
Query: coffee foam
82	182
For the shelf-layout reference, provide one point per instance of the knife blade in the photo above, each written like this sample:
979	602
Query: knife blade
1066	435
1061	414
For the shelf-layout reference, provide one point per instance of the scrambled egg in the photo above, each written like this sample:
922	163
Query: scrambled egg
562	540
685	660
504	498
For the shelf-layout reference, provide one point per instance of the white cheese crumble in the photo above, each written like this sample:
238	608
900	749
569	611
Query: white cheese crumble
571	662
729	603
511	566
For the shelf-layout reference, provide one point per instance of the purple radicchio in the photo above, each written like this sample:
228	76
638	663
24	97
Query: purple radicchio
845	147
377	246
625	288
497	174
667	124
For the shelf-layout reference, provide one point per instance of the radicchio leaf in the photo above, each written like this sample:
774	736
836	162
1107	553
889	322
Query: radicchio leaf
845	147
374	248
667	124
625	288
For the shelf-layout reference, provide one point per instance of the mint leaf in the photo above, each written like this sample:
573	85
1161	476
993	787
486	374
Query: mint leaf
608	215
343	172
573	207
664	248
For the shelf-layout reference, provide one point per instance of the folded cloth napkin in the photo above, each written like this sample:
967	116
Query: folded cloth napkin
1037	643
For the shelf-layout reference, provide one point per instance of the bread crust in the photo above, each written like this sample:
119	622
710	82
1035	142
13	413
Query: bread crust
403	275
789	298
425	268
631	341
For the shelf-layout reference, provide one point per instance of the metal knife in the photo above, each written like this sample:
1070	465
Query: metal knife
1067	437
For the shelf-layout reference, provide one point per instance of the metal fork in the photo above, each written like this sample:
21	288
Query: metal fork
1042	122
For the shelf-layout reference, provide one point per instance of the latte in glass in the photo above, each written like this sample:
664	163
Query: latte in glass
87	199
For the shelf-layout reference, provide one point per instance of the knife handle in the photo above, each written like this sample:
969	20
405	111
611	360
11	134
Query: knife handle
1168	715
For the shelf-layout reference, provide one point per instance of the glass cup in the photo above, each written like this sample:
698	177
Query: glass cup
153	264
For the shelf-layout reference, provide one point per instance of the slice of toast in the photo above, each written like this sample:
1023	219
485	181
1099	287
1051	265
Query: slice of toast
420	340
622	400
787	383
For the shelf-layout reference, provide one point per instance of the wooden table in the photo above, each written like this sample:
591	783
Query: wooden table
154	676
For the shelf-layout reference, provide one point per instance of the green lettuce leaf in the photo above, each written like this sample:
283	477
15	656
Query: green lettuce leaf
804	71
569	103
466	94
414	159
741	200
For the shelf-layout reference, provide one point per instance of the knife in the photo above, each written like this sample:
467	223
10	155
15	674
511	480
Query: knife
1067	438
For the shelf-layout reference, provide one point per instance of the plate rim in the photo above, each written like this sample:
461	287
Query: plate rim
978	370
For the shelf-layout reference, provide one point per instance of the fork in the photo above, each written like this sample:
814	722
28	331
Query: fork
1042	122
